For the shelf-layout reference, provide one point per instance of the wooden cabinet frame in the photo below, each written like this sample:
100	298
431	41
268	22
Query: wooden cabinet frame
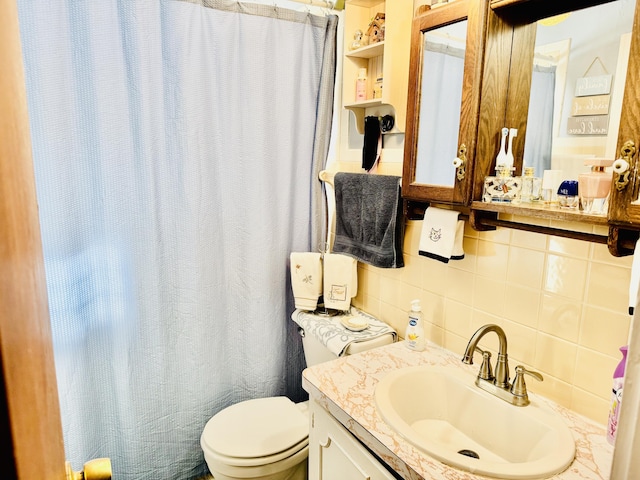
475	12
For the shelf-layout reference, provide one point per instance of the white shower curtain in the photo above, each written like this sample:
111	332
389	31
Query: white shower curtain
440	104
539	143
176	146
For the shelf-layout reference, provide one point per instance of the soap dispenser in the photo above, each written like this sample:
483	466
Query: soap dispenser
414	334
594	187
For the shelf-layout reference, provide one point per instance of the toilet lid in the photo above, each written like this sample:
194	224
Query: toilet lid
256	428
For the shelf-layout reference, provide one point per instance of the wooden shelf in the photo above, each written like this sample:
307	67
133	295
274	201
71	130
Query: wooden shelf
387	59
374	102
539	211
368	51
364	3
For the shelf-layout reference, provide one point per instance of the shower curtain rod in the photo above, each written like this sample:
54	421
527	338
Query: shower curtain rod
332	4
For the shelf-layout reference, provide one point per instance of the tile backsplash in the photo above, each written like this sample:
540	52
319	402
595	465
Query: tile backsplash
562	303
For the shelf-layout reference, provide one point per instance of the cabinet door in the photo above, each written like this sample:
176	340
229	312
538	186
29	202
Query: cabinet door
624	207
592	46
445	73
334	453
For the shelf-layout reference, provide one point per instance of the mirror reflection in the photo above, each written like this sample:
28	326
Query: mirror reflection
440	103
577	88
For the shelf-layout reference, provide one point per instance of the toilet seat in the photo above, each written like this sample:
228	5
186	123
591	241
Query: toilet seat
256	432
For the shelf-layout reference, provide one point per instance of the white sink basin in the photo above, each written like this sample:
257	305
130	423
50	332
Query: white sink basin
442	412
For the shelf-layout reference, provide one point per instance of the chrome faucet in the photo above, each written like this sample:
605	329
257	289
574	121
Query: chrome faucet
498	384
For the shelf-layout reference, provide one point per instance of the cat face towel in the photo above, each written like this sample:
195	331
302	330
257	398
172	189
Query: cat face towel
442	235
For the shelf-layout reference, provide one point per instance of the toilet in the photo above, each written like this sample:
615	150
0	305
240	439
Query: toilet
268	438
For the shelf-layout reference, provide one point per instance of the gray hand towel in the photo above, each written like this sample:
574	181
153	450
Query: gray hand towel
369	223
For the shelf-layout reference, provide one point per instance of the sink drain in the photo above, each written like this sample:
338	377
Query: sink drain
469	453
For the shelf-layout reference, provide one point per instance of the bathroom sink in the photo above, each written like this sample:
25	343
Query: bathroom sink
441	411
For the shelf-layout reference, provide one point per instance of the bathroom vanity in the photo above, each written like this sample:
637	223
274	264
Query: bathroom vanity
348	434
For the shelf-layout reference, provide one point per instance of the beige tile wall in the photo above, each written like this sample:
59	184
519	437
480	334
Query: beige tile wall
562	303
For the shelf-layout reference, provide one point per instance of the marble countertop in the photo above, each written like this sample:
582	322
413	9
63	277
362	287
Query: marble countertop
345	387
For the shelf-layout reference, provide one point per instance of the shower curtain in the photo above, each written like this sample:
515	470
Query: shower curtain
441	92
176	146
539	144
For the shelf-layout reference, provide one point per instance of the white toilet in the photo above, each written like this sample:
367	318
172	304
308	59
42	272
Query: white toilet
268	438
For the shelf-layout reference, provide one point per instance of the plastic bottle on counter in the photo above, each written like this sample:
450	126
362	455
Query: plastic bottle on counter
414	334
616	397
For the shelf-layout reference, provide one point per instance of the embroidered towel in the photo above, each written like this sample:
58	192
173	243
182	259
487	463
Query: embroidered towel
438	235
332	334
369	224
306	279
340	280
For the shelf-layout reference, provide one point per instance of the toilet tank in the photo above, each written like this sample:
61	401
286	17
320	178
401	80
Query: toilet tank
315	352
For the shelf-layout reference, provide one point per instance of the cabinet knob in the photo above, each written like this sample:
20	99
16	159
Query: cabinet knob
622	166
460	162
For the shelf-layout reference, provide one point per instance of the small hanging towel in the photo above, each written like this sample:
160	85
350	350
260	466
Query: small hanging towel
306	279
442	235
340	280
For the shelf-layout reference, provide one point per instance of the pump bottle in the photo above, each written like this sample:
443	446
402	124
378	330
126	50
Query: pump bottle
414	334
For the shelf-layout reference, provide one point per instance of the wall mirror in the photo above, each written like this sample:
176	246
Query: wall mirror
447	45
577	86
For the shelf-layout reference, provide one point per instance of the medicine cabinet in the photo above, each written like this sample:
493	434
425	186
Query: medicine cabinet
518	41
445	72
587	32
383	52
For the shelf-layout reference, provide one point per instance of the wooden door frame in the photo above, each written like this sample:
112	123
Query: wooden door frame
31	431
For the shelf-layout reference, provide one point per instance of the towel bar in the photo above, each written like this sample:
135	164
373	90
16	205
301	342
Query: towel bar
327	176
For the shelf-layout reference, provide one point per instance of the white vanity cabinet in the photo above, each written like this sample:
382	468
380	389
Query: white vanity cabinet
334	453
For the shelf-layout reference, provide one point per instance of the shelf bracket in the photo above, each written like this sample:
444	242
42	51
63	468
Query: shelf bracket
621	242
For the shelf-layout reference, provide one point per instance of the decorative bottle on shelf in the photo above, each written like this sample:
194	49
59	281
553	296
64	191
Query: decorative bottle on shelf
503	187
616	397
361	85
377	88
531	188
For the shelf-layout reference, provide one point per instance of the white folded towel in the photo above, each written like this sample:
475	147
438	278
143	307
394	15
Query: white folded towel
635	279
340	280
306	279
441	234
330	331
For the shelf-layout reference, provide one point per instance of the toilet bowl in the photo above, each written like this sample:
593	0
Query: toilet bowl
268	438
264	438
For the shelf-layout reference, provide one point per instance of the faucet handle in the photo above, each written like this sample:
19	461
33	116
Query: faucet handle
486	373
519	388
